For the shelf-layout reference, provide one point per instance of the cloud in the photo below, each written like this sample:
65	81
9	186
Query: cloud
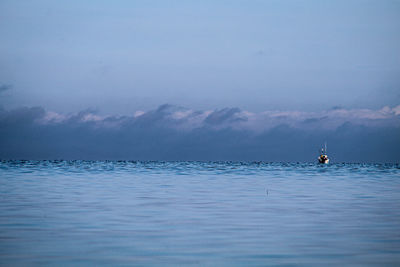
183	118
5	87
177	133
226	115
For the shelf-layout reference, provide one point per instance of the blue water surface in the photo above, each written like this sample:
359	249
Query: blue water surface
121	213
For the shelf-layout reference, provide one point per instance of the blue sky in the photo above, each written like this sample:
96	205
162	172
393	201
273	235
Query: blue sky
122	56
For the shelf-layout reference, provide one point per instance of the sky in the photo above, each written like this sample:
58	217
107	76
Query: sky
301	67
122	56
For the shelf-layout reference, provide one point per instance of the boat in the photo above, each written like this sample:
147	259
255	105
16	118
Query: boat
323	157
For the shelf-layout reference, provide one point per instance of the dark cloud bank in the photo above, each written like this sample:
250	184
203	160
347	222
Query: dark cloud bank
174	133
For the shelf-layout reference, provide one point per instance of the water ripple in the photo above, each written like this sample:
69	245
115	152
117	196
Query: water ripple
198	213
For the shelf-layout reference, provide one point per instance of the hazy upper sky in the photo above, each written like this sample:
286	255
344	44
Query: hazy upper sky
123	56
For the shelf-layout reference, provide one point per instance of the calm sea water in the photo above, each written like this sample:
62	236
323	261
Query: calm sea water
193	213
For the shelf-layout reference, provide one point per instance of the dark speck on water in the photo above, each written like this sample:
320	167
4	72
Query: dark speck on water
198	213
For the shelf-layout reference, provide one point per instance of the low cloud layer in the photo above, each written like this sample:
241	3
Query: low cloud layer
176	133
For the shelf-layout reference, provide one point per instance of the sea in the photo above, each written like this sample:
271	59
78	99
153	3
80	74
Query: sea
132	213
